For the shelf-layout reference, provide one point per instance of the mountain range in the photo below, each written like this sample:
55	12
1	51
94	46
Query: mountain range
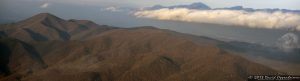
47	48
198	5
202	6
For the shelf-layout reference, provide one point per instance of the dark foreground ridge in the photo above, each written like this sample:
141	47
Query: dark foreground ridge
78	50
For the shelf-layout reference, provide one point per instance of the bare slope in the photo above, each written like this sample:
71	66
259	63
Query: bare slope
144	54
128	54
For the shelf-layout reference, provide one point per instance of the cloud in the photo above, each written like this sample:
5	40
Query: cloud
288	42
112	9
45	5
256	19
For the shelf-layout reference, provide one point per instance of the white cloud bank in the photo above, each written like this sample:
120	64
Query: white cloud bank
257	19
45	5
112	9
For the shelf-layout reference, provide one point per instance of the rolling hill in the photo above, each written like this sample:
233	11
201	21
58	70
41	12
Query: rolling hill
80	50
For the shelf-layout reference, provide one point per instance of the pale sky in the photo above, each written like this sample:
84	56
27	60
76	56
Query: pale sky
283	4
286	4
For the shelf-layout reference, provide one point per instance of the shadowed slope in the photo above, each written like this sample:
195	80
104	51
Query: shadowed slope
19	58
4	59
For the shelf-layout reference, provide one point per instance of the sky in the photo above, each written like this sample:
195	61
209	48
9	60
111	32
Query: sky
283	4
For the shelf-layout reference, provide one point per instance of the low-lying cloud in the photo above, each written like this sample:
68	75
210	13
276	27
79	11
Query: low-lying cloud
256	19
45	5
288	42
111	9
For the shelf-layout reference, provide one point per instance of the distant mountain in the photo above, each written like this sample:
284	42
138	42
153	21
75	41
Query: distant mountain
202	6
197	5
117	54
264	10
236	8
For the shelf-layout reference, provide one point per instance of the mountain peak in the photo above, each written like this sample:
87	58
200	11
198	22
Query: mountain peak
199	5
44	16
